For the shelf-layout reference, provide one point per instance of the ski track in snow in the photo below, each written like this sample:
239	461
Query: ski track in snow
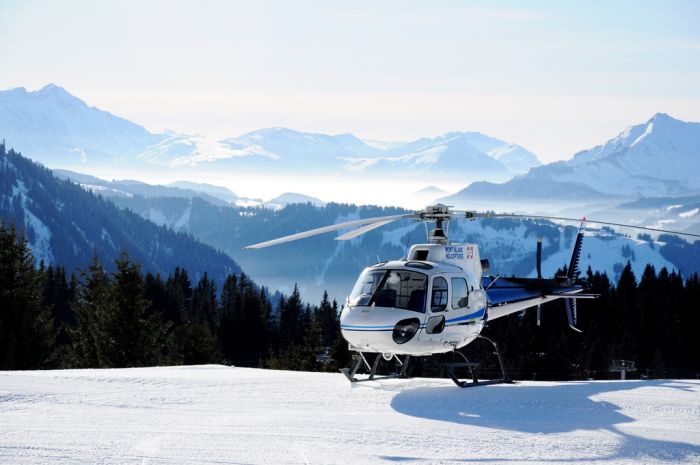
215	414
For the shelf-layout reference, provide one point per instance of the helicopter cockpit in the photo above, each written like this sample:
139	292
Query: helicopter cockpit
404	289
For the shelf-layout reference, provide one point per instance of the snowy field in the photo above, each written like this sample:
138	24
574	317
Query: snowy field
222	415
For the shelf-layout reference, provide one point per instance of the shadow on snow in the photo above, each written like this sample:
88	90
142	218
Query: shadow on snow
542	409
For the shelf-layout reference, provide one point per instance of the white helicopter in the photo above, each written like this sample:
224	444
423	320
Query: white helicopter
437	298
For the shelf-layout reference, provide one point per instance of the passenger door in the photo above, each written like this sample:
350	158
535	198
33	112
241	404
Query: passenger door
437	306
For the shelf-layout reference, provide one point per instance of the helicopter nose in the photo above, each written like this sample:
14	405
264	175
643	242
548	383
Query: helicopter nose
372	329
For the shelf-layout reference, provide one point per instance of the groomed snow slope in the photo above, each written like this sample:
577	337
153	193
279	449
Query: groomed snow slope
216	414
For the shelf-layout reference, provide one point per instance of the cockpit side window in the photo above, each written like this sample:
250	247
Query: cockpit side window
460	293
438	301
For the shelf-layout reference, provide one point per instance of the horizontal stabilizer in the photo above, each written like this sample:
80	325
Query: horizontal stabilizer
574	296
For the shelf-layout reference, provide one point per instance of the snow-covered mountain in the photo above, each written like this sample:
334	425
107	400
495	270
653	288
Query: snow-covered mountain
660	157
514	157
215	191
676	213
215	195
58	129
464	156
280	148
130	188
291	197
451	159
468	156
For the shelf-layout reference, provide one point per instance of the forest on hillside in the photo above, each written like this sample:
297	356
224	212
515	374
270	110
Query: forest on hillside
51	317
66	225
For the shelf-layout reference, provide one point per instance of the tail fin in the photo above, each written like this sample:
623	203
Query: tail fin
576	254
571	274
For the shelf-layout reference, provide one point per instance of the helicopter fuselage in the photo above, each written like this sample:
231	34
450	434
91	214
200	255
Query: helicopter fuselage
416	307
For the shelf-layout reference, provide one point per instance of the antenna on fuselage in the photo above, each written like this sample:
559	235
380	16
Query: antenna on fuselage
539	258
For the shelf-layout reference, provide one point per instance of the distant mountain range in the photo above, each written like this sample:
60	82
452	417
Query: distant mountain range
659	158
322	263
180	189
58	129
66	225
130	188
647	174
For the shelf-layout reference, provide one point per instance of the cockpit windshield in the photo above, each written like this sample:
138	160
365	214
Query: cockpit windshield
365	287
391	288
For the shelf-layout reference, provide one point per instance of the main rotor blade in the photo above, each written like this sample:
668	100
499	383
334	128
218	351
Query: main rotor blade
586	220
361	230
333	227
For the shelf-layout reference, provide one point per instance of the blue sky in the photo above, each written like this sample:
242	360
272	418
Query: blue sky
555	77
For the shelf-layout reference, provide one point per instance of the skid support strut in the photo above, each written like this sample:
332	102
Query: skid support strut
450	367
359	360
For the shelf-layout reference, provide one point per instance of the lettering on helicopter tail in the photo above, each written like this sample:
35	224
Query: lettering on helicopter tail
456	252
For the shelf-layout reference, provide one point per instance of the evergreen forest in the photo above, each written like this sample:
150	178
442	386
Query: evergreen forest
51	317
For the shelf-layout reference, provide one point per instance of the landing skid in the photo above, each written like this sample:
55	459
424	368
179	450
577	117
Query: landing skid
359	359
450	368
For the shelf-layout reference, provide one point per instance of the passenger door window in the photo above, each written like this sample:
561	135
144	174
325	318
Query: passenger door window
460	293
438	301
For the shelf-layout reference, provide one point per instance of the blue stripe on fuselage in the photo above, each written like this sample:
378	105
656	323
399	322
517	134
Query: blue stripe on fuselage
370	328
452	321
471	316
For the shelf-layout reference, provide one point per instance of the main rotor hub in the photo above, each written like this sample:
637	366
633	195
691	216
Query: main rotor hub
440	214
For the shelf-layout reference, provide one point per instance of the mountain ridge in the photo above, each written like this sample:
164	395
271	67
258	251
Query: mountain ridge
56	128
656	158
67	225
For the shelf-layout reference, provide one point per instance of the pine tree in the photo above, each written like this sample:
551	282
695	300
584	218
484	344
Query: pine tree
93	344
310	348
627	311
327	319
26	335
291	319
339	347
200	328
139	332
178	290
254	313
57	296
231	326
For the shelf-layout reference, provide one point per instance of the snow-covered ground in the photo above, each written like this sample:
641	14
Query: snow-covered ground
216	414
